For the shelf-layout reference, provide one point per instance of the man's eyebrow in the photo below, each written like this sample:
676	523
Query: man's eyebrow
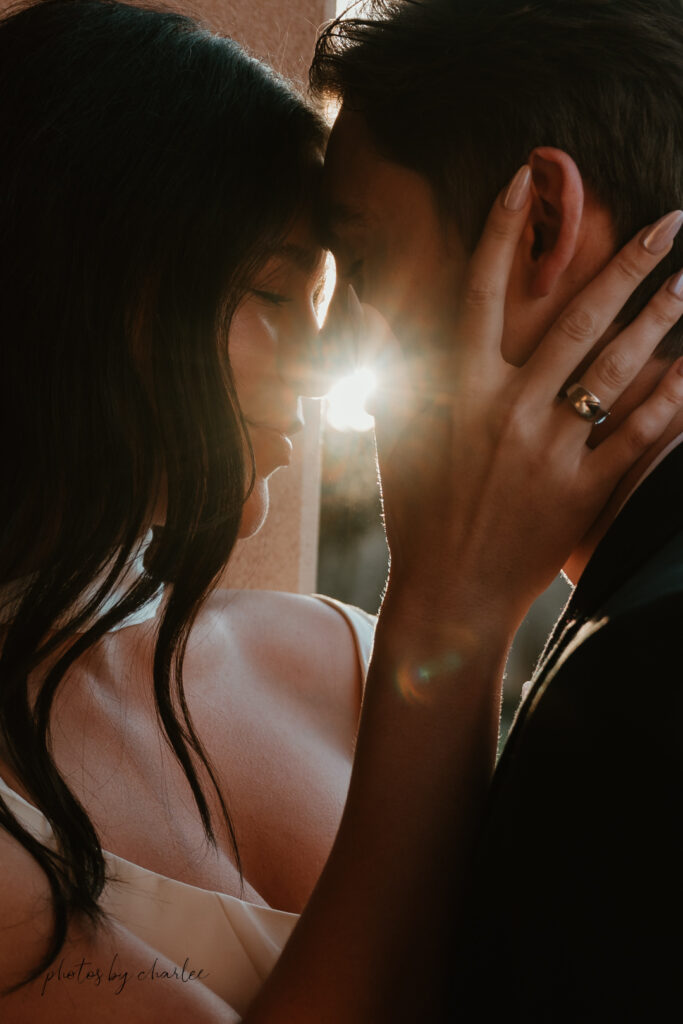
307	260
331	216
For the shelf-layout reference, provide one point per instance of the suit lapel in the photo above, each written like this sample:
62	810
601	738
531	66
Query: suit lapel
650	519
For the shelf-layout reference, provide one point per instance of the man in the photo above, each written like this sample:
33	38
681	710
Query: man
575	902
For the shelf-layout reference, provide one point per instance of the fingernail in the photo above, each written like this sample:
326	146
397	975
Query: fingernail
661	234
518	190
675	285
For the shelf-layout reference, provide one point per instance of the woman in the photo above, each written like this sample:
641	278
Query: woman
158	289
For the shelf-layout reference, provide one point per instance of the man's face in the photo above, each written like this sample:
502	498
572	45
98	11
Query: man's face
394	245
389	241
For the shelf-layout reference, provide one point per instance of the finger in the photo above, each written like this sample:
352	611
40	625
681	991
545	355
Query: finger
483	298
591	312
621	361
639	431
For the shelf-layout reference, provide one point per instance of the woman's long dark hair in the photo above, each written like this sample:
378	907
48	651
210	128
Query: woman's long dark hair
149	167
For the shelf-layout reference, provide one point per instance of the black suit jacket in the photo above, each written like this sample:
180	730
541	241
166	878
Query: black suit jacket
575	908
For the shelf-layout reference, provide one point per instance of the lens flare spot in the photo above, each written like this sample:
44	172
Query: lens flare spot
413	680
345	403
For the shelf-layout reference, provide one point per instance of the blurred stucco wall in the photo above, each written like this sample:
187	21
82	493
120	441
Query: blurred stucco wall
283	556
280	31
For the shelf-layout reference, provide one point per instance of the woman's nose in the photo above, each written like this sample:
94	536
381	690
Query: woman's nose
316	356
308	359
337	344
300	365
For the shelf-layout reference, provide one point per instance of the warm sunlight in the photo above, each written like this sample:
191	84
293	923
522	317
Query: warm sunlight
345	401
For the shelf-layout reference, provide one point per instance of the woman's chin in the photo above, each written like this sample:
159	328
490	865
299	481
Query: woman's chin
255	510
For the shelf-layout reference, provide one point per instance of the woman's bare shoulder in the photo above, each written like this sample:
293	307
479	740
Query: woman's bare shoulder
297	639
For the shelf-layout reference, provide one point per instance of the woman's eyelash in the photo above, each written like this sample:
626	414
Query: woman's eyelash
273	297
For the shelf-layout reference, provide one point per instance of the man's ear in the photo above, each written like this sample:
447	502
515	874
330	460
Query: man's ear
555	216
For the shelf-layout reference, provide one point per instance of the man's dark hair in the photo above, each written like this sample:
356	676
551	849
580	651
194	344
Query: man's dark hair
462	90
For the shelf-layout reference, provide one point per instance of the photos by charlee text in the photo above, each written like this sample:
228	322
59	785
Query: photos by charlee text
115	976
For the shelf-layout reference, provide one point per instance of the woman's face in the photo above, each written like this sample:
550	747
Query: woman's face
272	340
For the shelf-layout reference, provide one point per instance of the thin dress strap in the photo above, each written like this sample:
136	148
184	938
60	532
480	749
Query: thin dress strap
362	626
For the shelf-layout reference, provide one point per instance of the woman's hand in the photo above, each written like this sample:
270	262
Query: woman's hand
487	481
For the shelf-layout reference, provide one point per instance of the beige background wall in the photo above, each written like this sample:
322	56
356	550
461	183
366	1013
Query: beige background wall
280	31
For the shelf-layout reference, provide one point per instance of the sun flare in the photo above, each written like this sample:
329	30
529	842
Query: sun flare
345	401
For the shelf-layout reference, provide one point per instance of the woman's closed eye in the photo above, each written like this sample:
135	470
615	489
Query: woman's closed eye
272	298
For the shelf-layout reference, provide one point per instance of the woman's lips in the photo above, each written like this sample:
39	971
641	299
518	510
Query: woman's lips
272	446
